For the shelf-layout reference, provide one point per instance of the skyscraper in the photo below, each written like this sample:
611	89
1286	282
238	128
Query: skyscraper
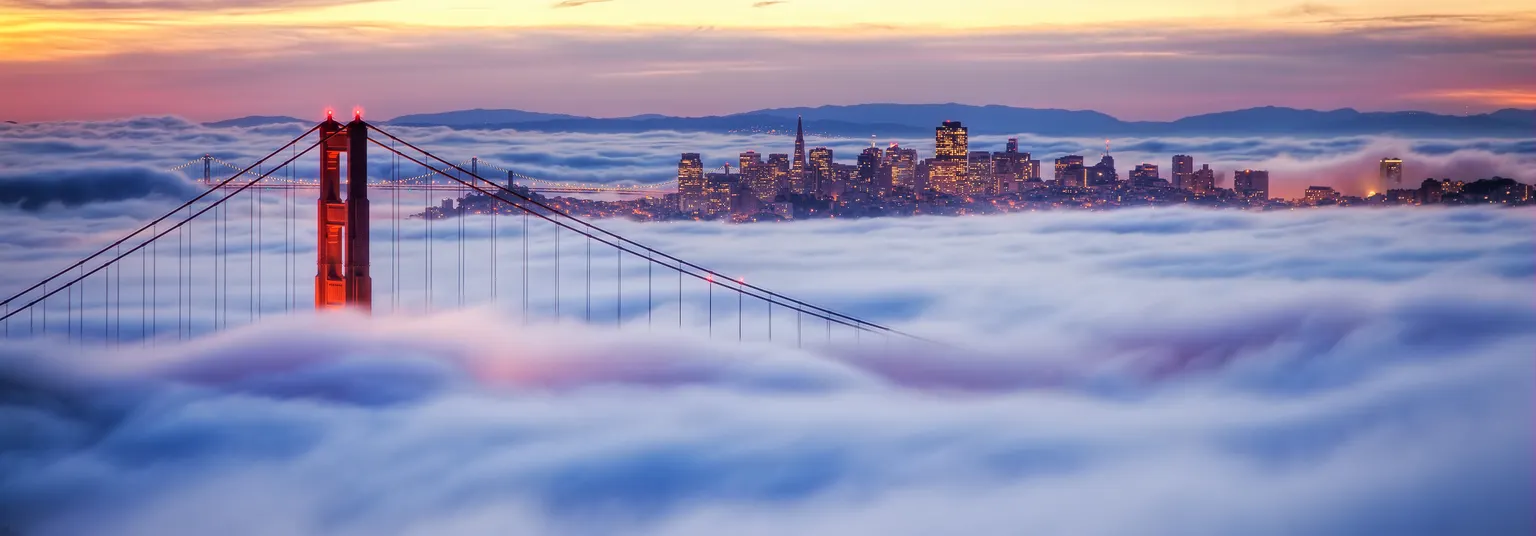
797	167
1065	163
1391	173
757	177
819	171
950	141
778	169
903	164
1251	184
1183	168
869	168
980	173
691	188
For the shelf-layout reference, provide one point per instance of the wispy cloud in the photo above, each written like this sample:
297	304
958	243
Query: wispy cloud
177	5
1495	97
768	3
577	3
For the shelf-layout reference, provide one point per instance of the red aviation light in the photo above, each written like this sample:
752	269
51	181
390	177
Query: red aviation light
330	114
357	113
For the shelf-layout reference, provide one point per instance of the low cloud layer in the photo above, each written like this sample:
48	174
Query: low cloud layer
1347	163
1172	371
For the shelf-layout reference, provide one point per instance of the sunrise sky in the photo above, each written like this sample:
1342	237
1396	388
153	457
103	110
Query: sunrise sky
87	59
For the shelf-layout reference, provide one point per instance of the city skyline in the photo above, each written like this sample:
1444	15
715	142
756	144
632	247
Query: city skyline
958	179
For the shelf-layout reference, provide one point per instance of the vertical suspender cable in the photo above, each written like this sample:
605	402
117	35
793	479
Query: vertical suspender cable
525	265
588	311
618	313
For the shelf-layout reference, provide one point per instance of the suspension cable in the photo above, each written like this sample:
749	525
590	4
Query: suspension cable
167	215
843	319
178	225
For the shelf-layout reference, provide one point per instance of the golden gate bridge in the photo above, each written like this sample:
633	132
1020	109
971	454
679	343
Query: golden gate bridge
431	180
213	262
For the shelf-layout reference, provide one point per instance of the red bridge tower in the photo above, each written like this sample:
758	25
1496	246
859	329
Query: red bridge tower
342	278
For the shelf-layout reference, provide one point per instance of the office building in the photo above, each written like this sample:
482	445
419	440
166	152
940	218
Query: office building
691	188
869	168
980	173
1316	195
1183	169
1066	162
1391	173
947	176
819	171
1251	184
950	142
1203	181
903	166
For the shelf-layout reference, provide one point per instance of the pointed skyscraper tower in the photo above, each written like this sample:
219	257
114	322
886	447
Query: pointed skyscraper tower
797	166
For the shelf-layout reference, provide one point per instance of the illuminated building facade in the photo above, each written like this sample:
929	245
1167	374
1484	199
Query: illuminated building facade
778	170
691	194
1391	172
819	173
980	173
1183	169
1103	174
869	171
947	176
1316	195
718	193
1203	181
1251	184
798	180
903	166
756	176
1066	162
950	141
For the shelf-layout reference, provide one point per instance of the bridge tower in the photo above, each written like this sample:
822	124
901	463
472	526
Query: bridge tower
342	276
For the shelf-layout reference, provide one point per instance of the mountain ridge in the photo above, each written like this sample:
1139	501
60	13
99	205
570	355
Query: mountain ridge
890	119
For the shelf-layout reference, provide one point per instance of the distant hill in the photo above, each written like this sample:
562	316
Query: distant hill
255	121
477	118
920	119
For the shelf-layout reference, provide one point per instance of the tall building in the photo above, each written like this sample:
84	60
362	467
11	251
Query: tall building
1183	168
1251	184
1203	180
950	142
749	159
691	194
903	164
778	169
1103	173
1009	167
819	171
981	173
797	167
947	176
1033	170
1391	173
870	165
1064	164
757	177
718	192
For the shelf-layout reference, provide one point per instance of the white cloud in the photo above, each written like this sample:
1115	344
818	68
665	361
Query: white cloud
1150	371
